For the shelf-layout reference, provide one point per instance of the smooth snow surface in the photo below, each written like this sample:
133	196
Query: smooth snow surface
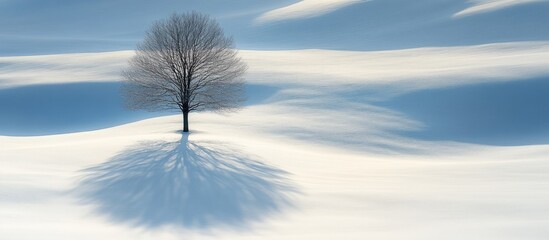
142	181
400	144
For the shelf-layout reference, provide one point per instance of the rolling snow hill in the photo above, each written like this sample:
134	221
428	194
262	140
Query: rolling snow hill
381	119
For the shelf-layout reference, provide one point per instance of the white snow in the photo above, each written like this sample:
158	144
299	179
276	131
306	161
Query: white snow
405	70
400	70
482	6
62	68
305	164
491	192
304	9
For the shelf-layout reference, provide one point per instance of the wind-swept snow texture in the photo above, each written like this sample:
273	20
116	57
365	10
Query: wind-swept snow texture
380	119
427	143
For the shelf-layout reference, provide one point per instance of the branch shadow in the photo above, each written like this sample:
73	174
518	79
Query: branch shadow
185	184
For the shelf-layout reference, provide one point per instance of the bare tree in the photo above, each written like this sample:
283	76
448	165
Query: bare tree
185	63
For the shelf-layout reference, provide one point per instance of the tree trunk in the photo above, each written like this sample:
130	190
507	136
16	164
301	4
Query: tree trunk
185	121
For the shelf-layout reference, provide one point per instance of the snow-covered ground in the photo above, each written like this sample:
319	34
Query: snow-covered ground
365	119
321	151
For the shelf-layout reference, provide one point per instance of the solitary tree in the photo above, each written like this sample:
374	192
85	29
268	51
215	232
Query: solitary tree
185	63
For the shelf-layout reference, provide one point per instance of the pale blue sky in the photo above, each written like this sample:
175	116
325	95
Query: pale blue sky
36	27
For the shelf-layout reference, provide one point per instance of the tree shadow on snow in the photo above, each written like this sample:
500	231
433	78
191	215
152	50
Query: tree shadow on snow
185	184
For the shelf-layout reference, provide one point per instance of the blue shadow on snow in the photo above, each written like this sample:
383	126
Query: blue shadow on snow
65	108
507	113
187	184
